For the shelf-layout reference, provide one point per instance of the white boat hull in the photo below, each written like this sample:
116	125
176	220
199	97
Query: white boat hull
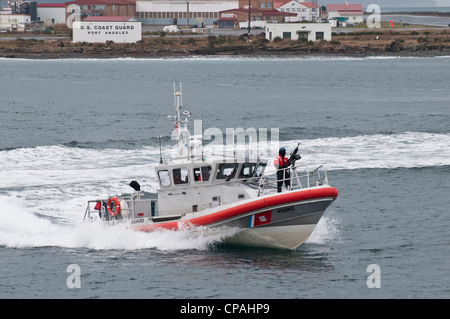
280	237
286	224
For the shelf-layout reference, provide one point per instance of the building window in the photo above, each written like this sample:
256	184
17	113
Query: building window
269	5
114	7
319	35
287	35
263	5
302	35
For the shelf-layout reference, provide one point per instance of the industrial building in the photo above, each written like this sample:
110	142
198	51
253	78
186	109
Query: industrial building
258	17
349	13
51	13
111	8
14	22
295	31
193	12
305	11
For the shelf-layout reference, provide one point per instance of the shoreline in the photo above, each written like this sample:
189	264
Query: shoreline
426	43
418	13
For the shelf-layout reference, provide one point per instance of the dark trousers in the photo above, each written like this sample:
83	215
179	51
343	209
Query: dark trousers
281	178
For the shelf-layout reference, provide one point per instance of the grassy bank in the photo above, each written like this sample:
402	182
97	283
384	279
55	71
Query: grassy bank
405	42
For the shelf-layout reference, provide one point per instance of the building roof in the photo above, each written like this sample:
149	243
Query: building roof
51	5
279	3
267	12
16	14
100	2
309	4
108	19
345	8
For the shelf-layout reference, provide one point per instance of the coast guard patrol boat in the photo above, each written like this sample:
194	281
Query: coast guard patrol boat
198	190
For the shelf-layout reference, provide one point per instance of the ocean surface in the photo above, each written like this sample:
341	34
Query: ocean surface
73	130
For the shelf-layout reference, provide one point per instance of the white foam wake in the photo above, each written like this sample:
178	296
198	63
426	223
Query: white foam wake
407	150
44	190
21	228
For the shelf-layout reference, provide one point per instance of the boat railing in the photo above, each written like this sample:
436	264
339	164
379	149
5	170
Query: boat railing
126	211
298	176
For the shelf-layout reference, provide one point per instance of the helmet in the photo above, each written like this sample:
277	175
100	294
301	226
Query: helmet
282	151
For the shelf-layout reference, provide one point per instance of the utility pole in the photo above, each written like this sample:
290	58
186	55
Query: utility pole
187	14
248	35
318	13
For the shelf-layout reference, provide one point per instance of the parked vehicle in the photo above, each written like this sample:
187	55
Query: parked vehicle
171	28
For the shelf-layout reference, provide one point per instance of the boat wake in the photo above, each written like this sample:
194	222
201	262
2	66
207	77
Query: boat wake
44	189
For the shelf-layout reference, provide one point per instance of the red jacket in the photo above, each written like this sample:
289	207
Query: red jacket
280	162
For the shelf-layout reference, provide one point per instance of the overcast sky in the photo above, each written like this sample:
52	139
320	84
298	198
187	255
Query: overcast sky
393	3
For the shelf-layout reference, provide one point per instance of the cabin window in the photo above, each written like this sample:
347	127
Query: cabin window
180	176
201	174
247	170
260	169
251	170
164	178
227	170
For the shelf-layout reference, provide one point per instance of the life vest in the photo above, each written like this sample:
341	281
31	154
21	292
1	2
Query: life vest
280	162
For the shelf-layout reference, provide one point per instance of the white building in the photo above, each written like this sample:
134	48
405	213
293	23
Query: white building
306	11
350	13
294	31
100	29
51	13
14	22
192	12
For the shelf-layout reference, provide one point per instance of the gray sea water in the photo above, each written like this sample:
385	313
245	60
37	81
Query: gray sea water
72	130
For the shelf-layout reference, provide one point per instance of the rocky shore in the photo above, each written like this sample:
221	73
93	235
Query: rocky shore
406	43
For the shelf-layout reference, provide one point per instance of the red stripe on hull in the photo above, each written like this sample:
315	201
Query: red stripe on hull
279	199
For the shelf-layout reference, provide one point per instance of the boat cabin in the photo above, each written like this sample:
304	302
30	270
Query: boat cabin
189	187
204	173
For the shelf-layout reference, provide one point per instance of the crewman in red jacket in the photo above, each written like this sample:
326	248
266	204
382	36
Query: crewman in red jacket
282	163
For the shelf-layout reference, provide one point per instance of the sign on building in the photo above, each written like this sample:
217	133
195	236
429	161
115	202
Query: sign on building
101	32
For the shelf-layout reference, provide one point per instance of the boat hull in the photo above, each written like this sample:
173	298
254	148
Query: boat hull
279	237
283	220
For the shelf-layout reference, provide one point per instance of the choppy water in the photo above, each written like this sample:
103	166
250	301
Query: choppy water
74	130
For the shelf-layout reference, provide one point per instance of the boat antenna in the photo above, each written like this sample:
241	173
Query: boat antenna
160	153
